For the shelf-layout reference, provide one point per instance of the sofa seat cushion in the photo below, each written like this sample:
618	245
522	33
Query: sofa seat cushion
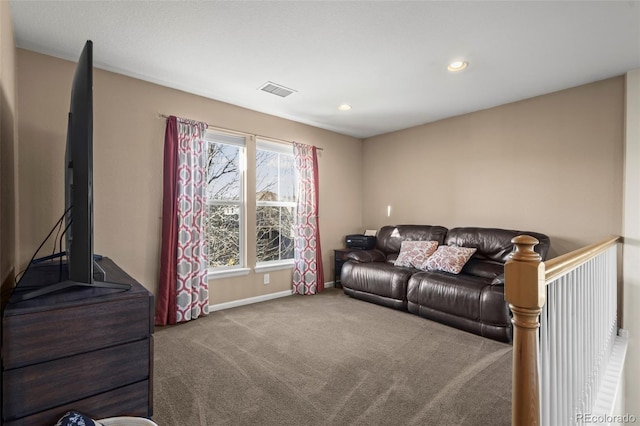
454	294
464	296
483	268
381	278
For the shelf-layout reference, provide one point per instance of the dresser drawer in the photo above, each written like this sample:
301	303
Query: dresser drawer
28	390
131	400
30	338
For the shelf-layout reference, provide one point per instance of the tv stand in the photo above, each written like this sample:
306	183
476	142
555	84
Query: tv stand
85	348
44	270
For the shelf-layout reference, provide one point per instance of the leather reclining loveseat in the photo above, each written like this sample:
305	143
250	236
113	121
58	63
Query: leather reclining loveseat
472	300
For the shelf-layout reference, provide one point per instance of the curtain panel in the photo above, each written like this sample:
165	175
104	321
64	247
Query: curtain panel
308	276
183	292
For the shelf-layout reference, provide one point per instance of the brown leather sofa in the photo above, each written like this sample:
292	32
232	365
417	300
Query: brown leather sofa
472	300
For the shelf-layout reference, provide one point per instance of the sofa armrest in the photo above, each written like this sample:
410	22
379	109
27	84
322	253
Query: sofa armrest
366	256
499	280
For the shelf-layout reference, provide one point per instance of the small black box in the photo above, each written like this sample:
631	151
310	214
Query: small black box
359	241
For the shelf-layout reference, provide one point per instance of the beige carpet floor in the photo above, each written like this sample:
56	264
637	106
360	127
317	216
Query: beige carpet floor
327	360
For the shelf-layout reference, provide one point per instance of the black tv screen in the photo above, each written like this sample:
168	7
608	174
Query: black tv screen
80	270
79	172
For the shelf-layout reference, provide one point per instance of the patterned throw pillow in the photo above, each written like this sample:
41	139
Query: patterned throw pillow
448	259
415	253
73	418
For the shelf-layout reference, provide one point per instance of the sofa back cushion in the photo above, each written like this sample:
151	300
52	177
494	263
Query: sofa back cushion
493	243
390	237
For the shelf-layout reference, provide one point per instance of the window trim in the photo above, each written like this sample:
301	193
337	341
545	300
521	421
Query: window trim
274	265
230	271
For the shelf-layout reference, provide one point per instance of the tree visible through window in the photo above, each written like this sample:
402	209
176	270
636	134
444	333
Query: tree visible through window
275	201
276	189
225	201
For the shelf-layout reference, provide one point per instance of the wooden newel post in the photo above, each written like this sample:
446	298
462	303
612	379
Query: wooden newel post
525	291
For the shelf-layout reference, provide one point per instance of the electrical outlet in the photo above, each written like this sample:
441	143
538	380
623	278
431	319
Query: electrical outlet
266	278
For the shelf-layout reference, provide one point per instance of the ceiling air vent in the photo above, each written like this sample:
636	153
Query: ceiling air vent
276	89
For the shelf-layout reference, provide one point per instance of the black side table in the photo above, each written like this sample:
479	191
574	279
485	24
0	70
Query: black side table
339	259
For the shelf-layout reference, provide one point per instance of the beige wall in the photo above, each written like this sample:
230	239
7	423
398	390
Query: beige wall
8	147
631	233
128	155
551	164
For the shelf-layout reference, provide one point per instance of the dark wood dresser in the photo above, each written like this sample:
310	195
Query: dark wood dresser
86	349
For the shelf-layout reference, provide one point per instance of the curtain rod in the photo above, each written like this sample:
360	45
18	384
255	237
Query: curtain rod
223	129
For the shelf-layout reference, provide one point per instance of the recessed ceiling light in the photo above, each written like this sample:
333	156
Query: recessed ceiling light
457	65
344	107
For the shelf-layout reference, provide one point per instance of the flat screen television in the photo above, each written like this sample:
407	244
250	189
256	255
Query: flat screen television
81	270
79	172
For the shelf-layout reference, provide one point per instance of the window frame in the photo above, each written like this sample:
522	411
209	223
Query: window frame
240	141
265	144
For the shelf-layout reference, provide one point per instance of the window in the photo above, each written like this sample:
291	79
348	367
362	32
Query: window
276	188
225	201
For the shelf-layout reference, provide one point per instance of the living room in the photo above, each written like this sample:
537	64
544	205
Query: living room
556	163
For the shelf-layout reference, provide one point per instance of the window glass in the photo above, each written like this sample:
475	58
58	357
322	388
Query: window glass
275	202
225	201
223	172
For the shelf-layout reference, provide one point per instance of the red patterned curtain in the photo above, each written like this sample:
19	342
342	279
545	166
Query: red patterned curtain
308	276
183	292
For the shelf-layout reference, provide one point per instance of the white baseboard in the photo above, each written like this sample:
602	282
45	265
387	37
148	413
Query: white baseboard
248	301
256	299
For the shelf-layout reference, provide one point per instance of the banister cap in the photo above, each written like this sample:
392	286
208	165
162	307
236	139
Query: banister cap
524	249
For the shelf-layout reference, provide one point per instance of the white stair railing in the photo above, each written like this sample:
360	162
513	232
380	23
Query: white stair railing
567	356
578	328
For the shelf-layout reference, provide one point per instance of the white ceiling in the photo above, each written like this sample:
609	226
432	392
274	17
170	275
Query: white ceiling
388	59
